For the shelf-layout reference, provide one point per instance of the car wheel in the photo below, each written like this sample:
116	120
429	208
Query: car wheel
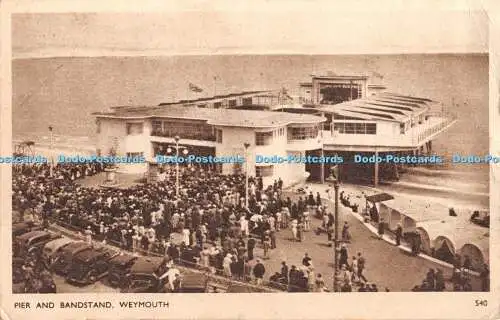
92	277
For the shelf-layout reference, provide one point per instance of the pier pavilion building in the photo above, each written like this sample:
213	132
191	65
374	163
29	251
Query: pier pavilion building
333	116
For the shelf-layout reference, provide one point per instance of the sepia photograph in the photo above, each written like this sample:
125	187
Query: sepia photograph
241	151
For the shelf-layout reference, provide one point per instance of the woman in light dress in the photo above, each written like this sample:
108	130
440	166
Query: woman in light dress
226	264
185	236
294	226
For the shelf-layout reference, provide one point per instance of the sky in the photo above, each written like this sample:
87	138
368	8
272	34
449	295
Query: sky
293	27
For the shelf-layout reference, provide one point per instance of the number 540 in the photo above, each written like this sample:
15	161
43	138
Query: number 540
481	303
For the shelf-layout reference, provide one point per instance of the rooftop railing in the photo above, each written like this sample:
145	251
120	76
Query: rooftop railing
185	135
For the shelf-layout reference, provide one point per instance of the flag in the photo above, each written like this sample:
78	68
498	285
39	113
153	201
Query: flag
195	88
378	75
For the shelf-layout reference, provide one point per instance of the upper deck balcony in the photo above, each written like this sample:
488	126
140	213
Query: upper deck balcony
385	135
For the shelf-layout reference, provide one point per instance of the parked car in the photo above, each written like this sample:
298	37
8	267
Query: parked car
62	259
193	282
88	266
30	244
18	275
24	227
147	274
481	218
119	267
51	249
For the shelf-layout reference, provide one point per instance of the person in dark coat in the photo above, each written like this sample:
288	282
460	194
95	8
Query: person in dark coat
343	255
381	228
250	247
431	280
399	234
440	284
485	278
258	271
284	273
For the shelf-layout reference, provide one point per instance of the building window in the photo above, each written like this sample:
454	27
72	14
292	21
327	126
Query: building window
134	128
247	101
263	138
157	127
303	133
135	154
217	105
402	128
218	135
195	130
232	103
264	171
98	126
355	127
202	106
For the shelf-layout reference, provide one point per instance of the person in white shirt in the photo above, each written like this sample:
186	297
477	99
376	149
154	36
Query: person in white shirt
186	236
244	226
171	275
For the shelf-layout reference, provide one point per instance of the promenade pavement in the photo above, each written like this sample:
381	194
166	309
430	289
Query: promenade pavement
387	266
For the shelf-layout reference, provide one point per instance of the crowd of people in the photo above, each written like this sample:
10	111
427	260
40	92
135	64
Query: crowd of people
206	225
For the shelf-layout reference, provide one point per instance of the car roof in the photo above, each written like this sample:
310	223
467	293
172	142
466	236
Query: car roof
33	234
122	259
88	255
146	265
76	247
194	279
58	243
21	225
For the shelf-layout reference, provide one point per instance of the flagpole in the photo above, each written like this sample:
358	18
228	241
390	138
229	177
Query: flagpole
215	86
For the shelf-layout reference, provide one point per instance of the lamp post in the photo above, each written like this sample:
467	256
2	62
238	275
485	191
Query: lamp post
334	178
246	145
51	170
336	240
185	152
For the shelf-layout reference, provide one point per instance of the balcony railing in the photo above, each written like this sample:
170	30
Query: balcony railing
435	129
185	135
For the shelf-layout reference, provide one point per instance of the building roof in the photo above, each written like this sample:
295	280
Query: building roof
218	117
332	75
205	99
384	106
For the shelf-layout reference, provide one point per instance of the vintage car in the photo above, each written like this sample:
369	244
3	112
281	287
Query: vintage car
88	266
24	227
37	283
193	282
481	218
62	260
30	244
18	275
119	267
53	247
147	275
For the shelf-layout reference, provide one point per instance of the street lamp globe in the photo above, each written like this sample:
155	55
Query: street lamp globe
177	138
169	149
185	151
